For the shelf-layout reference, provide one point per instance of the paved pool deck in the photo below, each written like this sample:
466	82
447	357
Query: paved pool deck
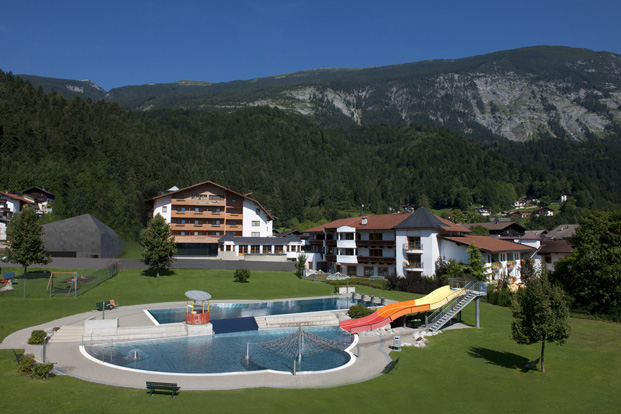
372	358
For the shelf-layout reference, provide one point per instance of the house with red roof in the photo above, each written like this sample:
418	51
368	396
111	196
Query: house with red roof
10	204
405	244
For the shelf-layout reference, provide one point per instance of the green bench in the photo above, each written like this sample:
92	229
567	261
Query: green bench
163	386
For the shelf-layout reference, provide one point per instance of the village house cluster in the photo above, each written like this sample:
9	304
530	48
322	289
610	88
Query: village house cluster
209	220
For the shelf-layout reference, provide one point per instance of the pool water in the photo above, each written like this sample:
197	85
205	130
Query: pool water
241	310
224	353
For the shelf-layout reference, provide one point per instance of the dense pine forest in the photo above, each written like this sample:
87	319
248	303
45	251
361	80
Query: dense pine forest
101	159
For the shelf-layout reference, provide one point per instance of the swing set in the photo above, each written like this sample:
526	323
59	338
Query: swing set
65	286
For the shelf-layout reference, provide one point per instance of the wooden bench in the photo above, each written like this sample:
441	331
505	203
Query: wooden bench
164	386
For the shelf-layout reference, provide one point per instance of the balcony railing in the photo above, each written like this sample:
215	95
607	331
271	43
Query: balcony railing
376	259
375	243
412	246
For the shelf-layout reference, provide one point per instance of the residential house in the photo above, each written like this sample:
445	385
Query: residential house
10	204
500	228
552	251
564	231
544	211
42	197
199	215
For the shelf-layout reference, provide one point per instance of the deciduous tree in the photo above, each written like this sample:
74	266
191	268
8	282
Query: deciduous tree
592	272
540	311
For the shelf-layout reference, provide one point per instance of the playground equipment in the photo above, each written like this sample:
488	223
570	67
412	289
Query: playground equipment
445	299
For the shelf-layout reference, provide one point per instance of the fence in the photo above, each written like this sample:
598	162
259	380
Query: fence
43	283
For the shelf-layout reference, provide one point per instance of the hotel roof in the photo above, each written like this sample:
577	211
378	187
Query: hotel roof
489	243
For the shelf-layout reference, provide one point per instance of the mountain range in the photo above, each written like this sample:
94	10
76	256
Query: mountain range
519	94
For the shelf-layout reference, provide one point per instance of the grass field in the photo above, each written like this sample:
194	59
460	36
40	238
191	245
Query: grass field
471	370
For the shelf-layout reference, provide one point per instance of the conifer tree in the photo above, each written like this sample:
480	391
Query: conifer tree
27	246
476	268
158	245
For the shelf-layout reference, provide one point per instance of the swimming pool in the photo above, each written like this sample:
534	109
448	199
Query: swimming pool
226	353
241	310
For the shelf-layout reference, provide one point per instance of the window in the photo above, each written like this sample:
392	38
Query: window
375	236
414	242
255	249
228	247
181	209
267	249
196	233
376	252
382	271
548	259
215	210
180	221
351	270
258	210
164	209
234	200
278	249
182	233
256	223
347	252
197	222
368	271
255	234
197	209
243	249
216	197
347	236
233	211
503	257
215	222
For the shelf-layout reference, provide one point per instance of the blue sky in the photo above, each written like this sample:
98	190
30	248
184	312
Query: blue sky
133	42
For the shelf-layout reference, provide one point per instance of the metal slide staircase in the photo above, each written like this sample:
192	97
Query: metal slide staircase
473	289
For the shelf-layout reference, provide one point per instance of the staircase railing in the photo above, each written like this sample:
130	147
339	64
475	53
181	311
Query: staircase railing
472	289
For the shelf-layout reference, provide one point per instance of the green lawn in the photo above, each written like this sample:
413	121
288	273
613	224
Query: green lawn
471	370
131	250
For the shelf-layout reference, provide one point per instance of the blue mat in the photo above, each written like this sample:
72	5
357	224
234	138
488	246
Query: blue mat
234	325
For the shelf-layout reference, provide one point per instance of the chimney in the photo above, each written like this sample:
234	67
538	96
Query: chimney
363	221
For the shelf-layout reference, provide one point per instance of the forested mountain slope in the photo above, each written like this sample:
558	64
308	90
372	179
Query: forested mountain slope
518	94
101	159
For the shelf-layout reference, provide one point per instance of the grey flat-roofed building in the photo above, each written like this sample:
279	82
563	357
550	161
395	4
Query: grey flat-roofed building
81	236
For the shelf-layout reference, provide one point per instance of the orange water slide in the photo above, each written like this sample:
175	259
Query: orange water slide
389	313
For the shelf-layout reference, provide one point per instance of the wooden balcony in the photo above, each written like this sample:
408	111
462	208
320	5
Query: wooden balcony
316	242
330	257
193	202
375	243
197	215
377	259
331	243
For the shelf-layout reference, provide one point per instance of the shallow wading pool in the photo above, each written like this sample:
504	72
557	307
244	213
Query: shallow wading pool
323	348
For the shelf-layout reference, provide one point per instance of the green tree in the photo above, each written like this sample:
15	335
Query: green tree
592	272
446	269
158	245
241	275
27	246
479	231
476	268
300	265
540	313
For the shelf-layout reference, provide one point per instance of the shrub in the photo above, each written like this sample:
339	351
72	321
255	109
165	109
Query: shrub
37	337
359	311
26	364
241	275
499	296
42	371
